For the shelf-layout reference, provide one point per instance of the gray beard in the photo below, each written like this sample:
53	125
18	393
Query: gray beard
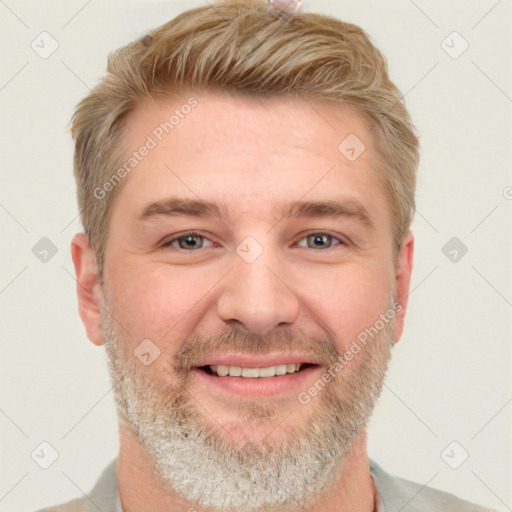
197	460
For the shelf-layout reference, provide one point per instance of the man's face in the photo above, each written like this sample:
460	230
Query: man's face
249	287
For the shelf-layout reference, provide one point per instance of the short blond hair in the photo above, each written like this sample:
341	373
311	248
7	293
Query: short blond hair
241	45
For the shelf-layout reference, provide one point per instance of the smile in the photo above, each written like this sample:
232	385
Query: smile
223	380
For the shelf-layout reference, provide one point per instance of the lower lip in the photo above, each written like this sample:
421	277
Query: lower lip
261	386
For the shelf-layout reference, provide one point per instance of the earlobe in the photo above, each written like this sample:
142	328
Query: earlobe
402	284
88	288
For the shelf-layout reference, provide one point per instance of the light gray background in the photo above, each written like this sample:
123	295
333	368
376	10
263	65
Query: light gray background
450	376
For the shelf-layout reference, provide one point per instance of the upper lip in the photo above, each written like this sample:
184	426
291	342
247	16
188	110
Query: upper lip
258	360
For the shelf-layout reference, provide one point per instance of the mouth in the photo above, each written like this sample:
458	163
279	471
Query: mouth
250	378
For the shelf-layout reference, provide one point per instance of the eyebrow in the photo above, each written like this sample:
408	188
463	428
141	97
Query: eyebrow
176	206
345	208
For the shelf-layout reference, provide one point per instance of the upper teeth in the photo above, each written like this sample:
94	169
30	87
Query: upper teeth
270	371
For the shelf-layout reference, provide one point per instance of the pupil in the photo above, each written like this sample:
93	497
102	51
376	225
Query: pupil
319	239
190	240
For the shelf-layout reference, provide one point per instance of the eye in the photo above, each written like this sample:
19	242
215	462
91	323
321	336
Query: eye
193	241
188	241
320	241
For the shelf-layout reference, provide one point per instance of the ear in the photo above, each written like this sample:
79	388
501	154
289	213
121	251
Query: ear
402	283
88	287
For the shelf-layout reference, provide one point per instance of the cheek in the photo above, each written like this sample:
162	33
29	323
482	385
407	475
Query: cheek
347	299
156	301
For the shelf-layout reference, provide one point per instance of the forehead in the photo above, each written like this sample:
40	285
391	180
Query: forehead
268	124
248	151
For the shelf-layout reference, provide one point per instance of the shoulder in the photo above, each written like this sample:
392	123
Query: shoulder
76	505
101	498
407	496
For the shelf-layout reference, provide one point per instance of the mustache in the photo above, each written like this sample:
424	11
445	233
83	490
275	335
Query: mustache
197	348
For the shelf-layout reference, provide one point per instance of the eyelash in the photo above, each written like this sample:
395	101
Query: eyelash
169	242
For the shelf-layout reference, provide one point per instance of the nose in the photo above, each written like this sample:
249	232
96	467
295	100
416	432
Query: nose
258	295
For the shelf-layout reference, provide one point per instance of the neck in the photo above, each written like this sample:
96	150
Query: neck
139	490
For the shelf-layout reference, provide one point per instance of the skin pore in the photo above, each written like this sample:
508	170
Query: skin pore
186	278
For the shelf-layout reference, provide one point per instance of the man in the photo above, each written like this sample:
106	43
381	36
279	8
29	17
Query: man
246	181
